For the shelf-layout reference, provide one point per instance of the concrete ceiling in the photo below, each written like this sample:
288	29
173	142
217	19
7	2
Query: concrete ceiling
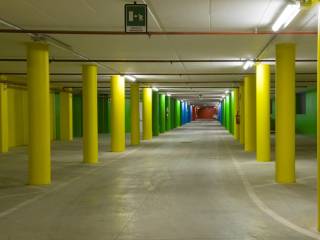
248	16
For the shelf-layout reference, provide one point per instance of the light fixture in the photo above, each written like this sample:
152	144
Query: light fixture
286	17
130	77
248	64
155	89
227	91
168	94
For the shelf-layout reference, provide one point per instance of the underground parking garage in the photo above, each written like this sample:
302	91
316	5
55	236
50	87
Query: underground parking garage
159	119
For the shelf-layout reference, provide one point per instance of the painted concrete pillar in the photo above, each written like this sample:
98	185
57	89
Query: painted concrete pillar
90	114
232	98
162	113
250	113
177	113
118	132
224	114
155	114
318	121
263	112
66	120
147	113
285	113
39	113
168	113
181	112
241	105
236	131
173	113
227	108
3	116
135	114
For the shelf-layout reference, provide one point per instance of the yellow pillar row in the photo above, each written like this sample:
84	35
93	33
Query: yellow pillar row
241	129
118	134
147	114
66	119
285	113
263	112
39	113
236	131
4	146
90	114
250	113
135	114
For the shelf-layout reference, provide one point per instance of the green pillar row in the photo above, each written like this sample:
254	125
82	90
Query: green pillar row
178	113
168	113
162	113
155	114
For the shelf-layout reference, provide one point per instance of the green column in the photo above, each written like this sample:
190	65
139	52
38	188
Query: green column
173	113
231	112
227	112
155	114
77	115
168	113
128	115
57	111
162	113
222	113
178	113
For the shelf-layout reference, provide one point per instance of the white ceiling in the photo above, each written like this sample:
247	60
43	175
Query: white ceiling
164	15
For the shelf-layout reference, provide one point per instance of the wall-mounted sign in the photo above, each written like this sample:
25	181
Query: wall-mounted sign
136	16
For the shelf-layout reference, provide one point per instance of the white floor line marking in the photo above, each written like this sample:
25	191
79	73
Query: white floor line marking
260	204
61	186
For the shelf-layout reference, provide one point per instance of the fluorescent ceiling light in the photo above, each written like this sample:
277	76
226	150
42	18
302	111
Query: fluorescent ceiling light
168	94
155	89
248	64
286	17
130	77
227	91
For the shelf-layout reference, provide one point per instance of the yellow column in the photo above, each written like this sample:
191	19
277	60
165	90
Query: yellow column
135	114
118	133
241	113
147	114
250	114
3	117
90	112
39	113
285	113
66	119
263	112
318	121
236	131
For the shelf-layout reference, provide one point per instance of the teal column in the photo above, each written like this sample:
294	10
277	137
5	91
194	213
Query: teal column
168	113
178	113
162	113
155	114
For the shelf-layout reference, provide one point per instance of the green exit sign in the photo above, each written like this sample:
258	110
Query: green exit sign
136	17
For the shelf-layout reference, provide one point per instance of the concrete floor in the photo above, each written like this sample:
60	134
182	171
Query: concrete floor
193	183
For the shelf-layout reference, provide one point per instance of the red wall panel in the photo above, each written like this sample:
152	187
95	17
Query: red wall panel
206	112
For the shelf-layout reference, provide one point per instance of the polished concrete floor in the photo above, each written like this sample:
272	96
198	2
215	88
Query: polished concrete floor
193	183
